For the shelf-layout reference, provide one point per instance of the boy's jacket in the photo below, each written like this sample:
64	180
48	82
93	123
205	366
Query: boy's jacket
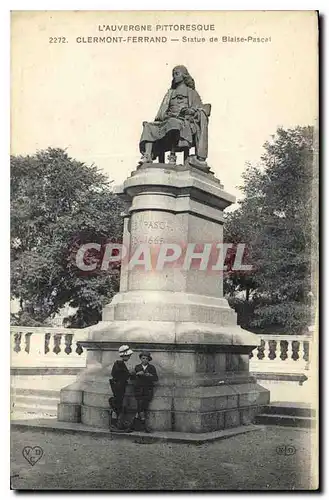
146	380
120	372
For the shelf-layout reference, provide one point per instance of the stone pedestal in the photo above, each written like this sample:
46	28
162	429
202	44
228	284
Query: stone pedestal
177	311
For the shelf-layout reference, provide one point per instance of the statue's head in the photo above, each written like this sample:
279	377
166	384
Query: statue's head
180	74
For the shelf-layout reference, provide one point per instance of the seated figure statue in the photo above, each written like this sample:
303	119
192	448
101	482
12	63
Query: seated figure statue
181	123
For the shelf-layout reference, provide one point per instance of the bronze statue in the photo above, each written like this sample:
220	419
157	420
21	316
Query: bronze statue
181	123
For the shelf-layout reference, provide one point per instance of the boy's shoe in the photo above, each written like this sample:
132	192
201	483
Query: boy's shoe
146	427
133	426
118	431
120	425
113	424
113	420
137	425
121	429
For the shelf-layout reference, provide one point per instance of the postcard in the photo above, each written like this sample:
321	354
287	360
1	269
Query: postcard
164	250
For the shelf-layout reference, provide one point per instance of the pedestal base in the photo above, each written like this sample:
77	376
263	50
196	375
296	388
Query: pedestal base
177	311
198	391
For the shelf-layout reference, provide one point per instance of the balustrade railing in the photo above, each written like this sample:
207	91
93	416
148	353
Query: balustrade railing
58	347
282	353
47	347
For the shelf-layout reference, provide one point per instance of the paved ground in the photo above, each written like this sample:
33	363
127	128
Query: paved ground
249	461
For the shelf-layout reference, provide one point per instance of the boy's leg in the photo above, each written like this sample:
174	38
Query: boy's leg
116	404
148	395
113	402
113	412
140	407
121	421
138	393
143	397
119	425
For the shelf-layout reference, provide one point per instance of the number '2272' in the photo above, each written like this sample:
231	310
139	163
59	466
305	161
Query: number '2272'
57	39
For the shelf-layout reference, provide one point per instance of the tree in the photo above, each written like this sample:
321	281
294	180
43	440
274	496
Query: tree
274	220
57	204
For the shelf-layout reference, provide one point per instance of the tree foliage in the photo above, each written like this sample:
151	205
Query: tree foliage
274	220
58	203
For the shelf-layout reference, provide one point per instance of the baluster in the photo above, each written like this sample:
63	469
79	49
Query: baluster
284	349
289	351
16	339
17	342
27	342
68	343
266	350
79	354
57	338
310	353
294	349
79	350
47	341
306	351
26	349
278	351
260	349
271	349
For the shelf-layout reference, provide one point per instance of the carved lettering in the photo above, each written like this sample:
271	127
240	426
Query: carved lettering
141	223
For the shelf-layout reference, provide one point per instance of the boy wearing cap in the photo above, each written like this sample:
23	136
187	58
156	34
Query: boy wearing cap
146	375
120	376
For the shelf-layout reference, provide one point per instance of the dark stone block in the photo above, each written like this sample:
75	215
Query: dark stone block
247	415
231	418
68	412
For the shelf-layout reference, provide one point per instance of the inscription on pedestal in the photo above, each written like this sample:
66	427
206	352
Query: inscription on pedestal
151	240
144	223
145	229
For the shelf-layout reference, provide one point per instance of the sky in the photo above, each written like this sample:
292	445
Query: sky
91	98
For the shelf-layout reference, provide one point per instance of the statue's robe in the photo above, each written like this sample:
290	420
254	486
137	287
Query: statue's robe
192	130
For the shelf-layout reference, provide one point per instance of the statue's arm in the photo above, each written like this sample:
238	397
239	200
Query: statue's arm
206	108
196	106
160	116
197	102
199	106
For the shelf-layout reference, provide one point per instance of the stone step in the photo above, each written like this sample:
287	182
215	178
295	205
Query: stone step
285	420
291	409
36	401
202	399
182	421
37	392
54	425
29	409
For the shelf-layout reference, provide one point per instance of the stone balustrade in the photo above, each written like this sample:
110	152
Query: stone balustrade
282	354
58	347
36	347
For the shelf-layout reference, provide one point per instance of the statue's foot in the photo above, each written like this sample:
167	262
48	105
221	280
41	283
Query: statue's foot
172	159
198	163
146	158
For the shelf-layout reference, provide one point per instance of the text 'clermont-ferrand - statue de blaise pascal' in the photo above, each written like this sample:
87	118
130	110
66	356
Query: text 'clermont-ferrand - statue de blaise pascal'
180	124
